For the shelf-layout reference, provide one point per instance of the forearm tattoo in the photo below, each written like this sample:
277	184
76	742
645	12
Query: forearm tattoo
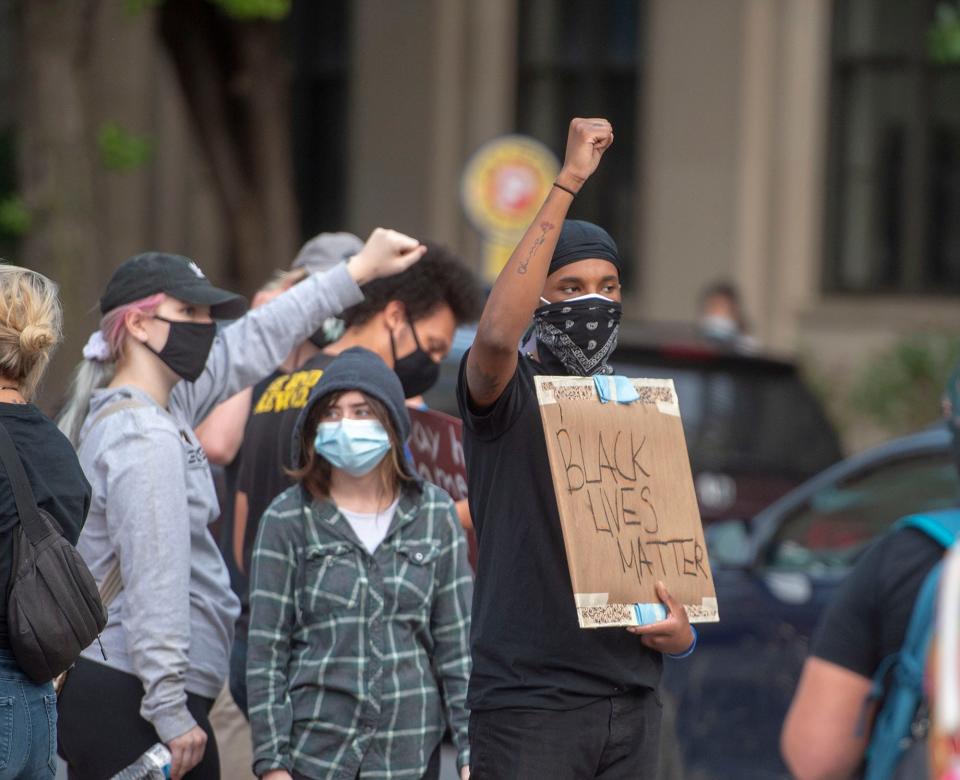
545	227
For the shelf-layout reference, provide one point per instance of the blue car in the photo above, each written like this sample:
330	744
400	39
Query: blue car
774	575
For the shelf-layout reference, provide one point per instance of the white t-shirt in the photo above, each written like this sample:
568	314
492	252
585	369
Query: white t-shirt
371	527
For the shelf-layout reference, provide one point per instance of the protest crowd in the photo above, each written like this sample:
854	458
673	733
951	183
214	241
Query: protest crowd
335	628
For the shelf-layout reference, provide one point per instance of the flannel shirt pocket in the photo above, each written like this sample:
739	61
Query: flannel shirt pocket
414	581
332	580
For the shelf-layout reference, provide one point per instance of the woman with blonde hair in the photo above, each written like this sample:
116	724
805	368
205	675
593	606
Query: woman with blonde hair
152	372
358	652
30	323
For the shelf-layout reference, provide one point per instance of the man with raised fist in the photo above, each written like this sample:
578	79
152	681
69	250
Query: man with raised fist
547	698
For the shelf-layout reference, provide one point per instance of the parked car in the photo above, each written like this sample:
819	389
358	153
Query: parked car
774	575
753	427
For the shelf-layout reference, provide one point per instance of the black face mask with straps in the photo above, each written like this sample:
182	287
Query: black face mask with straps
577	336
417	371
188	347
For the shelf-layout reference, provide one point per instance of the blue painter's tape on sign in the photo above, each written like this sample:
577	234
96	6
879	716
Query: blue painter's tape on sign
615	388
650	613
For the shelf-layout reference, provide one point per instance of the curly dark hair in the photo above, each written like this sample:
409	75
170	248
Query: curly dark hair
438	278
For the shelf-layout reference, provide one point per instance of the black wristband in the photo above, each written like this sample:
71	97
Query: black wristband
565	189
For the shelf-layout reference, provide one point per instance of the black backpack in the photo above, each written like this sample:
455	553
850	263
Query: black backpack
53	606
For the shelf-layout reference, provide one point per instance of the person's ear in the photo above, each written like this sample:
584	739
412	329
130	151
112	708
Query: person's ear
394	315
134	322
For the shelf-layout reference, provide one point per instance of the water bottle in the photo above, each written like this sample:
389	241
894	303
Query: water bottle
152	765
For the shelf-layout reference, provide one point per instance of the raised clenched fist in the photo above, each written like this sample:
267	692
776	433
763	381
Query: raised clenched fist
387	252
587	140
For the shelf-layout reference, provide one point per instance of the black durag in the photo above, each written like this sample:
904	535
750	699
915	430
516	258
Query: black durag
578	336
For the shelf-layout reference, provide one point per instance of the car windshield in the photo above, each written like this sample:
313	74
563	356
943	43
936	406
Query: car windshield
840	519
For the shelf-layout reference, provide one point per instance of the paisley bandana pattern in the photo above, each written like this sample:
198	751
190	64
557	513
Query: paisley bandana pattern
579	334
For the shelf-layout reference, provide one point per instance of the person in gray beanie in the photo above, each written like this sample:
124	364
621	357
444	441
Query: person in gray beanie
359	570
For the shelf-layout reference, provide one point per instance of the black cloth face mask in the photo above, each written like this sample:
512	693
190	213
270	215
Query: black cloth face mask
417	371
187	348
577	336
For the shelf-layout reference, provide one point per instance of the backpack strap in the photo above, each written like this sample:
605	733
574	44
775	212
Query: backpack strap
119	406
943	526
900	676
112	583
30	519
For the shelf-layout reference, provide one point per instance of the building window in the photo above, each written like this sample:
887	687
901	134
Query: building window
320	35
582	58
893	205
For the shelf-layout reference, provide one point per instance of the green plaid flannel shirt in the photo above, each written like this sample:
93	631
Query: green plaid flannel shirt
357	662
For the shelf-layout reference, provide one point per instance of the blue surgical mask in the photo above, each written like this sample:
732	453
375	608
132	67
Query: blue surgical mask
355	446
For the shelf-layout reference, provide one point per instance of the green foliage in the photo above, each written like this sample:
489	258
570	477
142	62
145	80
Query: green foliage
900	388
943	39
14	217
250	10
121	150
241	10
135	7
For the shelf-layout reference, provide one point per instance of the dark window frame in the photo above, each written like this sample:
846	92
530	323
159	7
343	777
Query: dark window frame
600	78
320	41
912	268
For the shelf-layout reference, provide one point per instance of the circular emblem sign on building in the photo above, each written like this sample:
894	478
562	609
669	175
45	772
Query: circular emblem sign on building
503	187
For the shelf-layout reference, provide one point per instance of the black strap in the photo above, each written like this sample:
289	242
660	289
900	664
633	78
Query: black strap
30	519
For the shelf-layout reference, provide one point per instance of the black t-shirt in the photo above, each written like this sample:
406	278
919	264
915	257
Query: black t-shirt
528	648
265	453
226	482
867	619
56	478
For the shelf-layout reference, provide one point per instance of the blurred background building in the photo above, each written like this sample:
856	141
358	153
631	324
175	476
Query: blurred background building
807	150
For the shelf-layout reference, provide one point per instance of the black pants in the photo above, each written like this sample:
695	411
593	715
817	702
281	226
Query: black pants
611	739
100	730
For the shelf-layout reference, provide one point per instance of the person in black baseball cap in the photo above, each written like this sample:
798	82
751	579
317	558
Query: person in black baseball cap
151	373
160	272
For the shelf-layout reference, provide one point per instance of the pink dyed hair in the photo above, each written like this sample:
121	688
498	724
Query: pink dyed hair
112	325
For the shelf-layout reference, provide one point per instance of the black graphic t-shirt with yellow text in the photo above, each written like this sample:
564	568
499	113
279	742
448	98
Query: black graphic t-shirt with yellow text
277	403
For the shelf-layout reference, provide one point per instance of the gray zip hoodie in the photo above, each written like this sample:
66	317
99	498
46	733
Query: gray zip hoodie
153	498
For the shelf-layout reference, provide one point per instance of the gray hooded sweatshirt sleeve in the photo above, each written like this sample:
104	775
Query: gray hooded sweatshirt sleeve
257	343
154	497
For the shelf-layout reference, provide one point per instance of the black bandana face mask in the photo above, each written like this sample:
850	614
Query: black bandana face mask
187	348
417	371
577	336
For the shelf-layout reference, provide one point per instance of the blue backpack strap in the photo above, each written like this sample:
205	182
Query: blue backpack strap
903	686
942	526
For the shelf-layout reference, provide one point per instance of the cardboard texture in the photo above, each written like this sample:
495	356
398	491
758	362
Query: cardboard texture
627	503
436	445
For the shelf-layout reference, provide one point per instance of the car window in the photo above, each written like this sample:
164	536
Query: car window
841	519
690	388
748	421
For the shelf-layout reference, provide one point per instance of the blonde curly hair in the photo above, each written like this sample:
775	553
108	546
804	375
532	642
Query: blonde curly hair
31	325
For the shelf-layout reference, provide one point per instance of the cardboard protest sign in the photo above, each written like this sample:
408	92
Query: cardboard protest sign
437	449
626	498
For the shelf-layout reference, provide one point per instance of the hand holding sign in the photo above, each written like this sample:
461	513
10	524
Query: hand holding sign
672	635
